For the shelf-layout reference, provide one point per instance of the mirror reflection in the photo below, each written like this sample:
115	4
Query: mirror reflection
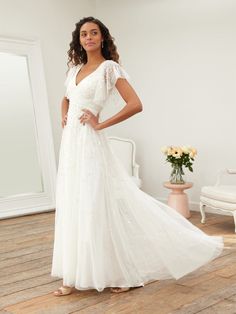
20	165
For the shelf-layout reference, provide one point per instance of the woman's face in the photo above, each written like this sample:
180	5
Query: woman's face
90	36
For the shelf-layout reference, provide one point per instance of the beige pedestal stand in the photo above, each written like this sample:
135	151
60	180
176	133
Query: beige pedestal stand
178	199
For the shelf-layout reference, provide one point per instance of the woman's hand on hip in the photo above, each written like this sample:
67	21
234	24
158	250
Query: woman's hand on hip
90	118
64	120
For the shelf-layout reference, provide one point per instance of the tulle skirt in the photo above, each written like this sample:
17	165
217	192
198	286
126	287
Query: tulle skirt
108	232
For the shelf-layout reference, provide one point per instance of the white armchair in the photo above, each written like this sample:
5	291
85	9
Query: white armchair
125	150
220	197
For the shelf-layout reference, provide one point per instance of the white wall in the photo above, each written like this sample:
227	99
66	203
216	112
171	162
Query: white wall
51	21
181	57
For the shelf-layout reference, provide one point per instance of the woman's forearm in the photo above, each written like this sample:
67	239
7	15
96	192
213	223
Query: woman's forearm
64	107
126	112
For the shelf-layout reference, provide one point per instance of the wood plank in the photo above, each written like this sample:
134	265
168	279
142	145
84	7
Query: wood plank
25	251
30	283
26	219
26	285
224	306
28	294
47	237
209	300
24	237
21	231
25	258
19	274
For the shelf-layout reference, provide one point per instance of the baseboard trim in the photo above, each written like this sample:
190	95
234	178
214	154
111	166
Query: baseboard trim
195	206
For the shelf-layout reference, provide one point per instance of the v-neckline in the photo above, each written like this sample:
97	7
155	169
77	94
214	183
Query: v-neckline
79	68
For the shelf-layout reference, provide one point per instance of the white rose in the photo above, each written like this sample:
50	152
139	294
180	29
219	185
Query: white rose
193	152
191	155
185	149
177	152
164	149
169	151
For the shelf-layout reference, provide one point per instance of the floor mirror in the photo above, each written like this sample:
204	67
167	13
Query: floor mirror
27	158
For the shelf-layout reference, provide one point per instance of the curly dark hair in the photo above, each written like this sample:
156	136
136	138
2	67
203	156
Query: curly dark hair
78	56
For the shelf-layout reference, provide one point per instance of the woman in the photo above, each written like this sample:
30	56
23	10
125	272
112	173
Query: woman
109	233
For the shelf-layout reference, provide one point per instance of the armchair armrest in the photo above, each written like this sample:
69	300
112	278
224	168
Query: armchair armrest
231	171
223	172
136	170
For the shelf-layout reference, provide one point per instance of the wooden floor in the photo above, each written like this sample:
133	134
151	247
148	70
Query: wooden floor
26	285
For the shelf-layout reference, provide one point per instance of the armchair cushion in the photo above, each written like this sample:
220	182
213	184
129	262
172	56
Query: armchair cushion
223	193
219	196
218	204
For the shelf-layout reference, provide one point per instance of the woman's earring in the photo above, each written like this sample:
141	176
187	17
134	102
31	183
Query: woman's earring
102	44
81	48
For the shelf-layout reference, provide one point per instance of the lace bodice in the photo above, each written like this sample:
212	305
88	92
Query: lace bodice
95	90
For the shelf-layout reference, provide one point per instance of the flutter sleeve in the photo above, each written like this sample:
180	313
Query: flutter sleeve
113	72
106	92
68	79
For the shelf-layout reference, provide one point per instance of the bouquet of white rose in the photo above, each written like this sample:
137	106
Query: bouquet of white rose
179	156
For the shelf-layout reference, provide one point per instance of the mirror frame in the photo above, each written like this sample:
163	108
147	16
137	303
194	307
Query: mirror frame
28	203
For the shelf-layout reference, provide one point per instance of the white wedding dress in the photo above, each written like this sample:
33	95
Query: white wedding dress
109	233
